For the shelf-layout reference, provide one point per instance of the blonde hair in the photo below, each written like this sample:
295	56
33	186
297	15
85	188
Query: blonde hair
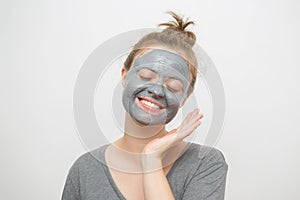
174	37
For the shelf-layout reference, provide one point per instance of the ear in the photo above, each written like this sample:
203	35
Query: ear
124	73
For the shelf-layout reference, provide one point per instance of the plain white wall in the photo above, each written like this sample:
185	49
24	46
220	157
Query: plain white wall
254	45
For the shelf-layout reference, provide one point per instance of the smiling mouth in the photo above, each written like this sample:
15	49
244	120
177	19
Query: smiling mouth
150	105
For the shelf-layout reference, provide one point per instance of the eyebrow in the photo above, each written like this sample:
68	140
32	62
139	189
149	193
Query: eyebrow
146	67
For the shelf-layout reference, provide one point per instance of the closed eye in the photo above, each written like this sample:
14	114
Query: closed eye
174	85
146	74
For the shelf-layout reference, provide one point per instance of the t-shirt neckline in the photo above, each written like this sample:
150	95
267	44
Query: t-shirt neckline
111	180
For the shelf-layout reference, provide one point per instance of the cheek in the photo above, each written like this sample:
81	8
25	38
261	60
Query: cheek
173	100
133	86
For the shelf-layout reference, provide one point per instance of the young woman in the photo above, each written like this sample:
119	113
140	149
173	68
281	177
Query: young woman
149	162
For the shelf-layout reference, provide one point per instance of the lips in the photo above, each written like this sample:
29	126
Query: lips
150	105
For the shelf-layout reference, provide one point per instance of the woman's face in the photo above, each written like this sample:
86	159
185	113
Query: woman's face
155	87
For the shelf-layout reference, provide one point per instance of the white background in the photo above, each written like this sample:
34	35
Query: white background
254	45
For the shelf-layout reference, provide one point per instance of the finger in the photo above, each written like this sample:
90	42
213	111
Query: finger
199	116
196	118
185	121
196	111
189	120
172	131
189	128
197	124
190	116
192	121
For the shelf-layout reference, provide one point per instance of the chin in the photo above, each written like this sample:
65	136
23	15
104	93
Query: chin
144	119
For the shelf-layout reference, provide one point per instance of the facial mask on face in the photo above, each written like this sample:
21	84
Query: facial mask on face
155	87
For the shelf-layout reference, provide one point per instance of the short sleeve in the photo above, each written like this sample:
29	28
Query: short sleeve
209	180
70	191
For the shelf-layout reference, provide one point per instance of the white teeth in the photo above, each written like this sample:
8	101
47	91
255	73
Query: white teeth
150	104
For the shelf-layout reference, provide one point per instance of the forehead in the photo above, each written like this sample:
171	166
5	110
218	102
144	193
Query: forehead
163	61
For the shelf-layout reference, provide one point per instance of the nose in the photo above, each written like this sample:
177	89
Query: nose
156	91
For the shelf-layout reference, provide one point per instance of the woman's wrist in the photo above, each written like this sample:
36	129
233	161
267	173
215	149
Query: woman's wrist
150	162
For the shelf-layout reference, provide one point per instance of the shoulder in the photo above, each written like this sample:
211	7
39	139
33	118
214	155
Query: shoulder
90	159
203	152
205	172
202	156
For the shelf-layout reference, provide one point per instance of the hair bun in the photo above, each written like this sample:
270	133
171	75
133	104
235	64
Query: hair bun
179	25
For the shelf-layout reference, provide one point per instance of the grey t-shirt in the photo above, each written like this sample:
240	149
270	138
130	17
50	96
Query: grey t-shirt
199	173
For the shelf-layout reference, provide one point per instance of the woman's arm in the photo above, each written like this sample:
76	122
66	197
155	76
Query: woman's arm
156	186
155	183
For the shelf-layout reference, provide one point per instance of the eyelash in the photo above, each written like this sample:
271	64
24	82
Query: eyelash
145	78
172	90
169	88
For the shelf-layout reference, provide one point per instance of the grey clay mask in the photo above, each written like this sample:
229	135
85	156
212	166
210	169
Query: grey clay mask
155	87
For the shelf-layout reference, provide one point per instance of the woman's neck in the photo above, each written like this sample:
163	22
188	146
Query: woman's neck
136	135
124	154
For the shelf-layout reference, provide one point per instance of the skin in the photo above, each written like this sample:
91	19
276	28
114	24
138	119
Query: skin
154	150
155	183
161	77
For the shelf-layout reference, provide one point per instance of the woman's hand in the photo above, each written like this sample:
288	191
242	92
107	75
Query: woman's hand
155	182
157	148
